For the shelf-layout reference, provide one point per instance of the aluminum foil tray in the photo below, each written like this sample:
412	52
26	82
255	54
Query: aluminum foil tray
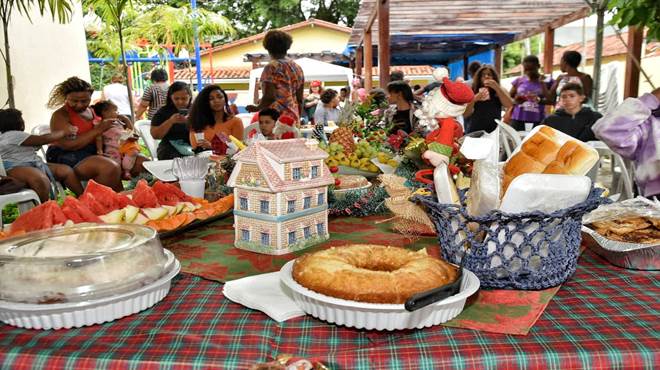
627	255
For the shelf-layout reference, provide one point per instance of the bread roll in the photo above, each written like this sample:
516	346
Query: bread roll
519	164
572	159
541	147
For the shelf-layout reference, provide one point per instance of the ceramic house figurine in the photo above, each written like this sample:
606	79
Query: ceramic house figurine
280	195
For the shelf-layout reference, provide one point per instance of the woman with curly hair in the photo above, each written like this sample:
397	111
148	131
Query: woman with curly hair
282	80
71	100
210	115
489	99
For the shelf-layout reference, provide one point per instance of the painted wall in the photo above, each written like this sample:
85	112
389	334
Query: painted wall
305	40
43	54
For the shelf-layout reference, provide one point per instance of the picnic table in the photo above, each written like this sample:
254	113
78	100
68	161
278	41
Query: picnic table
602	317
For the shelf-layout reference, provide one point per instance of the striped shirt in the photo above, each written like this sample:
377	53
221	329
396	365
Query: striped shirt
156	95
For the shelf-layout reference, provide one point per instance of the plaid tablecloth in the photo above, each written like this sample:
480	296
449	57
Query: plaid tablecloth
604	317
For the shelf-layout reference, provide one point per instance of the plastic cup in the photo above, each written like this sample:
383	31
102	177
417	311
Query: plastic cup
195	188
529	126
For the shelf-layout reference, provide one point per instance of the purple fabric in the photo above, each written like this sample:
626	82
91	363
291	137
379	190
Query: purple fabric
633	132
530	110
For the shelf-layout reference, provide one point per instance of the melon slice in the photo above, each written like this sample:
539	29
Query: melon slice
169	194
42	217
72	205
114	217
90	202
157	213
143	196
140	219
130	213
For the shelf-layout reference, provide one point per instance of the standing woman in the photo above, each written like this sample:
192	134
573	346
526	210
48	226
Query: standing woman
313	98
210	115
282	80
401	95
169	124
570	61
71	100
529	94
489	98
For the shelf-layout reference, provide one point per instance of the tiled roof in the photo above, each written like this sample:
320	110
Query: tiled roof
257	37
238	72
244	72
612	45
284	151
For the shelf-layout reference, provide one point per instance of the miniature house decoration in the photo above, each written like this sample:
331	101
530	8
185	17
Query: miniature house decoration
280	196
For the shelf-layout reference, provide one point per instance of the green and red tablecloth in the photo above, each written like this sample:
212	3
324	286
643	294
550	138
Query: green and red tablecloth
603	317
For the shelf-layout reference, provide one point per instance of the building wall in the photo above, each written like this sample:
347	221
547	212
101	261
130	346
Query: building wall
298	196
250	171
43	54
305	40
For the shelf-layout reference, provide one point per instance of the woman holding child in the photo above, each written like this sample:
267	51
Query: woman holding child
72	98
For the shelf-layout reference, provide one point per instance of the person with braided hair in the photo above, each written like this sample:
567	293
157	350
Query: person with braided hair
71	99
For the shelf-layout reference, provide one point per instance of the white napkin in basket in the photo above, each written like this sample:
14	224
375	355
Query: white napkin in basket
264	293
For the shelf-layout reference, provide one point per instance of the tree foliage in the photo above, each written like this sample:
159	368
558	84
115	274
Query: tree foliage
641	13
59	9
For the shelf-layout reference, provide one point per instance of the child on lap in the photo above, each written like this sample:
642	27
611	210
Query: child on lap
117	142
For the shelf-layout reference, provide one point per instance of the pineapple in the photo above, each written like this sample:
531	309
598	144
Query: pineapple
344	133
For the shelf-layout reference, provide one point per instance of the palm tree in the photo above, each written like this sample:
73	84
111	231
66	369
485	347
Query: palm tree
60	9
166	26
114	13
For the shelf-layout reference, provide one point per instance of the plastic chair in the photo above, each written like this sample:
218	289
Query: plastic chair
509	138
42	130
143	128
24	199
622	184
246	118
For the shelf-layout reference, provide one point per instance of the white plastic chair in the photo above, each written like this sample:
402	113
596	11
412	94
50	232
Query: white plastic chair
509	138
246	118
24	199
42	130
143	128
622	184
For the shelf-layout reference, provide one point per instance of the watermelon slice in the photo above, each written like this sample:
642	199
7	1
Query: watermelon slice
73	206
169	194
42	217
103	194
89	201
143	196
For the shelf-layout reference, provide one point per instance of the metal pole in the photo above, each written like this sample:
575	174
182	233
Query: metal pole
198	61
598	53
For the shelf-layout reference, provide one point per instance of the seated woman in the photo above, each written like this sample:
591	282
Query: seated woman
71	98
401	95
211	115
328	108
19	157
169	124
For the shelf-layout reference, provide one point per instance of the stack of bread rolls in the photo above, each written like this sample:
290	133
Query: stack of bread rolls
544	152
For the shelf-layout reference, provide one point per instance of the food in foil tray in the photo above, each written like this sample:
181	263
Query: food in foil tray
645	230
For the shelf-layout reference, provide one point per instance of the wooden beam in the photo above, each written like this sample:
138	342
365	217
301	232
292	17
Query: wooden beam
635	41
548	50
368	61
367	26
384	42
358	62
498	60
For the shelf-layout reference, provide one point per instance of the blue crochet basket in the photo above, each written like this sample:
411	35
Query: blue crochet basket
529	251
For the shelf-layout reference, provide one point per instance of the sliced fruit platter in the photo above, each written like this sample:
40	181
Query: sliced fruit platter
163	207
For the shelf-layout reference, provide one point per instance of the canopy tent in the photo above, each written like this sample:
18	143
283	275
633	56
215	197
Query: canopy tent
313	70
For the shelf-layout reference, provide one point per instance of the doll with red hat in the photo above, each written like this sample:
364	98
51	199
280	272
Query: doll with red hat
439	111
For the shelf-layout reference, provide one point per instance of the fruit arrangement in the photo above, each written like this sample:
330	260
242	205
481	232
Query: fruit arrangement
360	158
162	207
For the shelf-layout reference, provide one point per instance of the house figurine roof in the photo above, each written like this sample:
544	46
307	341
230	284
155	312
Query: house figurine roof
267	154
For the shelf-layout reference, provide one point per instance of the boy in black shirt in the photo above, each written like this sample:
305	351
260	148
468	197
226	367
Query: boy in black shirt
573	119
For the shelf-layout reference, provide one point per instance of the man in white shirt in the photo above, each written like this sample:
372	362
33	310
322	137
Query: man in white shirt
117	93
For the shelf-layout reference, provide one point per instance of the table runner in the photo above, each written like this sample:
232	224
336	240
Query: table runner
208	252
604	317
